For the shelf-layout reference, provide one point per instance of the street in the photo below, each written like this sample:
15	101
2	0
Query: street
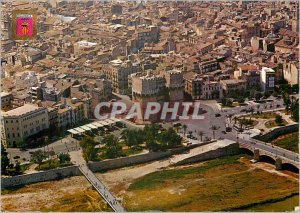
64	145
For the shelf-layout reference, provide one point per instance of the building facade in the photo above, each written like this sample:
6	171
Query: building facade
22	122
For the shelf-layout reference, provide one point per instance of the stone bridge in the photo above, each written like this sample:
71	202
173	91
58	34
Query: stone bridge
281	157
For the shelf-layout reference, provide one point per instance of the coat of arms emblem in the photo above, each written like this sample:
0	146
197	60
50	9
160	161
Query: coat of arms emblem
24	24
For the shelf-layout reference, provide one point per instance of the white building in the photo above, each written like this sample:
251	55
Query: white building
22	122
267	79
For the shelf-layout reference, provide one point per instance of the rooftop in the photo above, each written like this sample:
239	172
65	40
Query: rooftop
26	108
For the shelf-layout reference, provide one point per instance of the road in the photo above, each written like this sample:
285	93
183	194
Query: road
64	145
222	122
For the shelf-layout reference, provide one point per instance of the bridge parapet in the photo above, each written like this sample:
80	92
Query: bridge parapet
278	159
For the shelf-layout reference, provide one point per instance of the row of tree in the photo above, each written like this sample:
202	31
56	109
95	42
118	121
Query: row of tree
291	105
152	136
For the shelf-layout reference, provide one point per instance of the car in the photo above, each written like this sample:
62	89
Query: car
218	115
228	129
223	132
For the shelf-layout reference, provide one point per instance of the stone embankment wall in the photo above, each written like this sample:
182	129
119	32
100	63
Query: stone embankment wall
277	132
127	161
53	174
231	149
59	173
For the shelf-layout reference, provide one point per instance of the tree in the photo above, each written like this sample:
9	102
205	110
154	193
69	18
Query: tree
184	129
267	94
64	158
88	148
200	133
278	119
18	167
113	149
150	134
38	157
128	137
229	102
133	137
286	102
51	154
241	99
214	128
295	110
172	138
4	159
90	153
226	102
258	96
275	94
87	141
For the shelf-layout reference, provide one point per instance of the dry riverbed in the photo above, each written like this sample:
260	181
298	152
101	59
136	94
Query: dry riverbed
222	184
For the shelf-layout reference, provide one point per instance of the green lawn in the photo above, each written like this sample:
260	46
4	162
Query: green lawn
289	141
126	151
266	115
52	164
247	122
272	123
24	167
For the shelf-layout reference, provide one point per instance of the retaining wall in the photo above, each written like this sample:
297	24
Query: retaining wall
231	149
48	175
277	132
127	161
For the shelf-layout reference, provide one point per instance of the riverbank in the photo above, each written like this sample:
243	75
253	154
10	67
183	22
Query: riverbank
226	183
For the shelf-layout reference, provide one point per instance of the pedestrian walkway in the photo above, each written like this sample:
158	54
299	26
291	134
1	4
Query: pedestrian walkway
101	189
77	159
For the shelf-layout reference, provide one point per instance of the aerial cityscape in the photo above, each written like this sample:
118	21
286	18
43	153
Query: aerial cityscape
131	106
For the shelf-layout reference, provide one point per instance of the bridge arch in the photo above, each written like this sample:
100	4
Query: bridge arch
246	150
289	167
267	159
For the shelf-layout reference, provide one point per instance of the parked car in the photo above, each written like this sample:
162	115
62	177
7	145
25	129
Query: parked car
218	115
228	129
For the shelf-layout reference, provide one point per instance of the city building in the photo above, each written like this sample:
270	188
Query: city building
6	100
22	122
231	85
267	79
117	73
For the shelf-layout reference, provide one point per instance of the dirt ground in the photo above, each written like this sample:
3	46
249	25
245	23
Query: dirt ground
119	180
69	194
